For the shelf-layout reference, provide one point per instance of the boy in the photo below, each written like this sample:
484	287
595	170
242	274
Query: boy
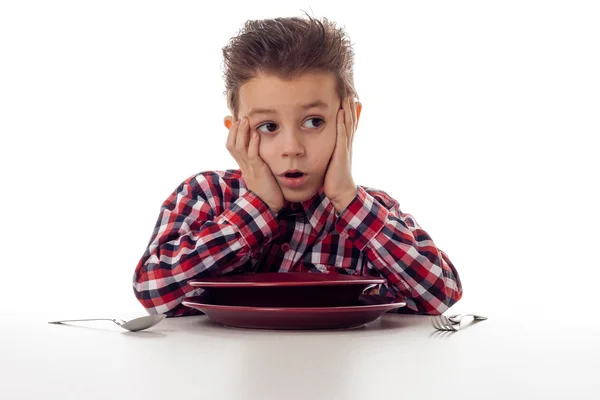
293	205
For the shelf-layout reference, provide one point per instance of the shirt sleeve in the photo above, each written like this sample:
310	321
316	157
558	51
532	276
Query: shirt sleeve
190	241
403	253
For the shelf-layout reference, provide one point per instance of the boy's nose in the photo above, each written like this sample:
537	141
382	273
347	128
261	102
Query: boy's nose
292	145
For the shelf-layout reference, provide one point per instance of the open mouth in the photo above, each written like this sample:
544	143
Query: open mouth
293	179
294	175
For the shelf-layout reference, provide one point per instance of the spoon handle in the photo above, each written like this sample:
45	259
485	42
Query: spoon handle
78	320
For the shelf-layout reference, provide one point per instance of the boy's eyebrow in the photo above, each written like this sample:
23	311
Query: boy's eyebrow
314	104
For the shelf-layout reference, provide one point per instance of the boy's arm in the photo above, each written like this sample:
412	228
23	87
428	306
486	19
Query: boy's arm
190	241
396	246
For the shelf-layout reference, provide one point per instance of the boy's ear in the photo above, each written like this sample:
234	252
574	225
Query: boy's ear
358	110
228	121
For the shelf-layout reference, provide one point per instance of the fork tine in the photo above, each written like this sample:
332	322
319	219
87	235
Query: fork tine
433	322
454	327
448	324
444	323
439	323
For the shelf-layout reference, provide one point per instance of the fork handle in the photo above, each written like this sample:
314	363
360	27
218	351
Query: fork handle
79	320
458	317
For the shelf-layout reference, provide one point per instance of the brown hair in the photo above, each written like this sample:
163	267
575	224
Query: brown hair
287	47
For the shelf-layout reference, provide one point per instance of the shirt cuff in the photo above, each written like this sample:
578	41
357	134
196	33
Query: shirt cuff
253	218
362	220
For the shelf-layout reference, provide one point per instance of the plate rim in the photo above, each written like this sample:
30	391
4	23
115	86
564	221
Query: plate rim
358	280
322	310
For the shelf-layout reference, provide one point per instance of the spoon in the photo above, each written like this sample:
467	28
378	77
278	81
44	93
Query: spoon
133	325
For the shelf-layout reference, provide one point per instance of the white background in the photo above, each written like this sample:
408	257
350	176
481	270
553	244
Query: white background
481	118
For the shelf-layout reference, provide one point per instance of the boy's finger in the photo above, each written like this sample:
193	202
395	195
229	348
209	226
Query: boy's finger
232	135
348	116
341	129
241	142
253	146
354	117
354	121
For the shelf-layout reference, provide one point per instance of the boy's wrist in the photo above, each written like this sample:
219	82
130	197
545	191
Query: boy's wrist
342	202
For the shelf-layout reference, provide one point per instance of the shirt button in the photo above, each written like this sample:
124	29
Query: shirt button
285	247
352	233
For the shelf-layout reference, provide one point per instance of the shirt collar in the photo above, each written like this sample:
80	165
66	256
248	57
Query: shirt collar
318	209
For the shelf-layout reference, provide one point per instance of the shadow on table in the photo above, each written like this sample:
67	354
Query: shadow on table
145	334
140	334
384	323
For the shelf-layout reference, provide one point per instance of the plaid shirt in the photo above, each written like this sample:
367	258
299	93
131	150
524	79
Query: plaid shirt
213	225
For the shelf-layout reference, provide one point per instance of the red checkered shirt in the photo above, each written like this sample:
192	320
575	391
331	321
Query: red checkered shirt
212	225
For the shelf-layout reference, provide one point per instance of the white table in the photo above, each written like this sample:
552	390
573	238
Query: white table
395	357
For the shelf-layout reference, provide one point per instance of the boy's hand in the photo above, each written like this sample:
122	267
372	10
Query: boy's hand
256	173
339	186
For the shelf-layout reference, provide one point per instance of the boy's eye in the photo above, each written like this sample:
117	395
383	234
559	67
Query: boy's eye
318	124
271	127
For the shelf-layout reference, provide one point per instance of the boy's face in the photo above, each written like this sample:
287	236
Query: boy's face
291	135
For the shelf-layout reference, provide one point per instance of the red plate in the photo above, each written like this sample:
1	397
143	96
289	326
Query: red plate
286	289
367	309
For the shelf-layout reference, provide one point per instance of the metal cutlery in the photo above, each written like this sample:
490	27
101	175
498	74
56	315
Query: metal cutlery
133	325
452	323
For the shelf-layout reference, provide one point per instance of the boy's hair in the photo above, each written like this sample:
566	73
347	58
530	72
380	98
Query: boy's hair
287	47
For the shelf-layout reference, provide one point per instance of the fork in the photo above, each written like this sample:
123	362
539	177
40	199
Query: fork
452	323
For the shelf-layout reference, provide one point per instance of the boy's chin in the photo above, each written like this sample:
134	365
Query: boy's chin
298	196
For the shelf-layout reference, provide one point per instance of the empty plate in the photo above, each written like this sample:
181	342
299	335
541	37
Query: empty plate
286	289
367	309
